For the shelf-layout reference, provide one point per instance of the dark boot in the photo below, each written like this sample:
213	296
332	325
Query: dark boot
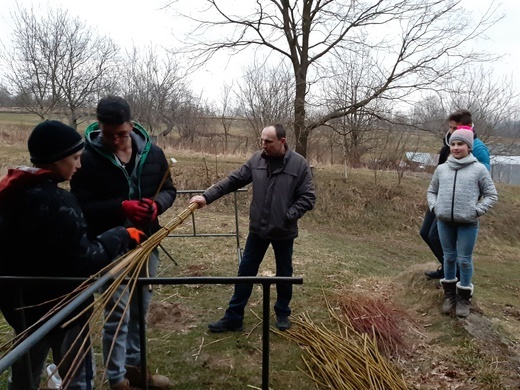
224	325
155	381
282	322
464	294
450	295
437	274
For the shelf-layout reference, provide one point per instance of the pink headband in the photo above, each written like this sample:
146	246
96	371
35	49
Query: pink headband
465	127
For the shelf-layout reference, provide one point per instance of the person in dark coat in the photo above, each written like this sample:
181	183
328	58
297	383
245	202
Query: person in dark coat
44	233
118	184
283	192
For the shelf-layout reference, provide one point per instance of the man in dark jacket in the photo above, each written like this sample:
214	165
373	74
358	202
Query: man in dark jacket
283	192
119	185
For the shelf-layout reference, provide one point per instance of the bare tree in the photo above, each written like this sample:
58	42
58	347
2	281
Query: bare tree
6	99
226	114
430	114
265	97
87	69
324	145
189	114
154	85
419	42
31	63
493	103
57	62
403	140
354	82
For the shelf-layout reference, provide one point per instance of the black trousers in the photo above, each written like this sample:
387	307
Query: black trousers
430	235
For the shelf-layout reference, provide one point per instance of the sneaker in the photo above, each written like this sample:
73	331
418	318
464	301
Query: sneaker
283	323
155	381
437	274
224	325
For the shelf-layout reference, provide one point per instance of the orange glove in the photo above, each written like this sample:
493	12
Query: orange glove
136	236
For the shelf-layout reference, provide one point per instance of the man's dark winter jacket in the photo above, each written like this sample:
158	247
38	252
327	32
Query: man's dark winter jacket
44	233
280	197
102	183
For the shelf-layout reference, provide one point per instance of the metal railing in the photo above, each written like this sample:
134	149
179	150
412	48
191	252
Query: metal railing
21	349
195	233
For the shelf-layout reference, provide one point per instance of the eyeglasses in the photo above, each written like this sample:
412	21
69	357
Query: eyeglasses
120	135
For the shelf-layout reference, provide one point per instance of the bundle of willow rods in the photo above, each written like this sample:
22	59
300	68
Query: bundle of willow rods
127	266
344	359
375	316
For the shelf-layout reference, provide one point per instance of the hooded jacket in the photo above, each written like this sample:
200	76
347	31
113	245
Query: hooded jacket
44	233
461	190
102	183
280	197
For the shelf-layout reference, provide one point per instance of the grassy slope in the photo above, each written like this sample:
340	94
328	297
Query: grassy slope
362	236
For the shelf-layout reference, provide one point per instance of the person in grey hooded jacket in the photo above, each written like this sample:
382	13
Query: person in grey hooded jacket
461	191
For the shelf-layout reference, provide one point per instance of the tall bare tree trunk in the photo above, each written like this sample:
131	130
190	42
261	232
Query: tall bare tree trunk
300	131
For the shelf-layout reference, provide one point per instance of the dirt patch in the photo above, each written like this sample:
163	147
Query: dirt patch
445	352
170	316
511	311
497	346
194	270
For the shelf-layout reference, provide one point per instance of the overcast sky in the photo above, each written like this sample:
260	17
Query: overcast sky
138	22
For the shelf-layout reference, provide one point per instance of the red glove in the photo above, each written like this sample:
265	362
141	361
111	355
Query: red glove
140	211
152	208
136	236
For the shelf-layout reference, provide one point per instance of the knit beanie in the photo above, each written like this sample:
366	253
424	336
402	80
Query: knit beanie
463	135
52	141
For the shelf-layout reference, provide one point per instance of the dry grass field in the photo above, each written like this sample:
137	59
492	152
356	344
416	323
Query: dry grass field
361	240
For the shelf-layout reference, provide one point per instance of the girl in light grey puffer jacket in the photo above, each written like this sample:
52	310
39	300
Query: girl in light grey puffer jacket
460	192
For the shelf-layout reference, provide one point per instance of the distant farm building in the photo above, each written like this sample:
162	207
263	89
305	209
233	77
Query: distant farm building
418	161
504	169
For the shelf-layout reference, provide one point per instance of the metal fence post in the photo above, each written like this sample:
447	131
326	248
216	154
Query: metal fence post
265	335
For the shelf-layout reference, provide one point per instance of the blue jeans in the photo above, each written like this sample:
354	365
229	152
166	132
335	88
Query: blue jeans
254	253
458	241
121	339
64	351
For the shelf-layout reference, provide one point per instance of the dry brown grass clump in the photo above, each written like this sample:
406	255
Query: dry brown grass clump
375	316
